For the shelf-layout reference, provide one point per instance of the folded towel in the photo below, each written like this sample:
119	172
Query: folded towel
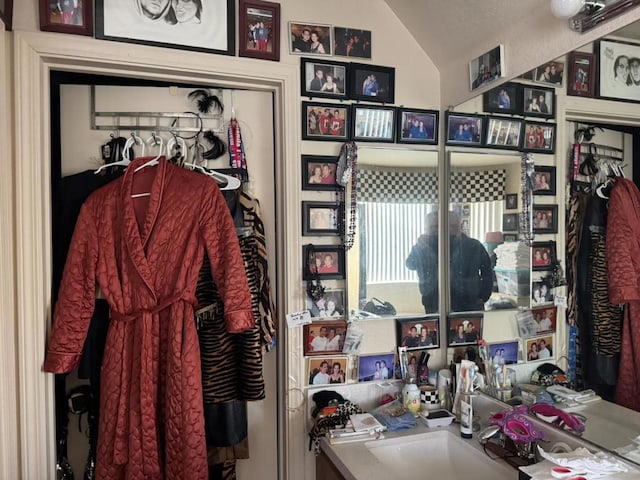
591	465
542	471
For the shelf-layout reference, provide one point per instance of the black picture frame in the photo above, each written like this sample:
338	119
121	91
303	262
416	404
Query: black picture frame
543	256
510	237
511	201
300	34
321	218
309	79
456	136
6	14
325	127
539	137
382	90
506	99
404	327
470	336
249	45
352	42
214	32
510	222
545	218
608	53
310	164
371	123
582	75
78	21
544	180
407	131
313	255
503	133
538	101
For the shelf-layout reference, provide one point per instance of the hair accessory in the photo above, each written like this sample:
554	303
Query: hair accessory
206	101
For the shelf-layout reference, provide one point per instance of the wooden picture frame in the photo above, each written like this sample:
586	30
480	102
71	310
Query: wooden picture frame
543	255
546	318
352	42
614	85
511	201
315	366
321	218
544	180
76	17
319	173
506	99
503	133
328	122
6	13
550	73
538	101
323	261
465	129
324	337
539	137
376	367
486	68
417	126
464	329
371	83
210	28
303	35
372	123
323	78
418	333
582	74
256	40
545	218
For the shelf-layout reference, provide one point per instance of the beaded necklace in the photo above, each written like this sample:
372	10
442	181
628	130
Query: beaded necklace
526	217
346	176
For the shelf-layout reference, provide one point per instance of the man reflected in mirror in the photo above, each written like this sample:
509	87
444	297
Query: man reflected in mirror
470	272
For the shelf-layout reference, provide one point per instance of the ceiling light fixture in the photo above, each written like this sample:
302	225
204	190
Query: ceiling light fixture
570	8
583	15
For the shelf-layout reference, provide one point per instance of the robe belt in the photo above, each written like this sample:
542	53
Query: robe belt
148	383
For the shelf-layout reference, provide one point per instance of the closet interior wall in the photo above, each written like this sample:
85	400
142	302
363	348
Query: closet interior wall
80	150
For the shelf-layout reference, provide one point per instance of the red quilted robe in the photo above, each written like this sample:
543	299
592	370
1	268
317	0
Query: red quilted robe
144	253
623	259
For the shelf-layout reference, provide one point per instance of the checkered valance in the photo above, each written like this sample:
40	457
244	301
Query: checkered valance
412	185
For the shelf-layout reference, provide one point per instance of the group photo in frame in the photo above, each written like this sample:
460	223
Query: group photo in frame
503	132
377	366
550	73
322	78
324	337
616	82
539	137
416	333
546	319
371	83
503	99
319	172
539	348
203	27
67	16
544	180
582	75
545	218
352	42
417	126
465	129
539	102
503	353
327	370
325	261
259	30
321	218
372	123
310	39
511	201
486	68
330	304
6	14
325	121
543	255
464	329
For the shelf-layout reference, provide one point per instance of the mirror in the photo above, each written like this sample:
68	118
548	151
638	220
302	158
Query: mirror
397	189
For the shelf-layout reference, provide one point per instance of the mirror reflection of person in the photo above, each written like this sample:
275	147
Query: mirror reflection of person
470	272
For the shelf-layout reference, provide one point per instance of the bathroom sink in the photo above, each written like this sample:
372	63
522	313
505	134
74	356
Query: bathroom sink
442	453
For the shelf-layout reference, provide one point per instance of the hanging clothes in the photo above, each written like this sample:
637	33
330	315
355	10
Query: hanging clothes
623	257
145	255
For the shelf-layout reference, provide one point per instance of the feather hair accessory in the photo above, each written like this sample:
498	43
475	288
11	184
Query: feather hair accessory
218	148
206	101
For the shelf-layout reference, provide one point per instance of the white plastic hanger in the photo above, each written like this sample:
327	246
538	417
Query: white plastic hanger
156	140
131	141
174	141
232	183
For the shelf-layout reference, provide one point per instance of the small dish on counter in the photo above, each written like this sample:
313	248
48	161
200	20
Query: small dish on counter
437	418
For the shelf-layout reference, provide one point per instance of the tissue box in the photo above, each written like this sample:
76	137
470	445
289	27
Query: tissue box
437	418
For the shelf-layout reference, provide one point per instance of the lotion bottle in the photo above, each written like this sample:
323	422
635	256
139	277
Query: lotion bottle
466	416
411	397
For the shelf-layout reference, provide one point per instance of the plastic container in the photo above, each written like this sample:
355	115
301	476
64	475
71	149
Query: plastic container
437	418
513	282
411	398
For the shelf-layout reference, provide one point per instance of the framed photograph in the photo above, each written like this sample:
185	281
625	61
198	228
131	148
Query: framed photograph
202	26
323	78
510	237
6	13
509	222
371	83
467	352
327	370
545	218
539	137
465	129
352	42
373	124
417	126
259	25
550	73
543	255
486	68
319	172
503	132
541	291
544	180
310	39
330	304
415	333
539	102
376	367
511	201
618	70
503	99
545	318
326	261
539	348
321	218
325	121
67	16
464	329
322	338
503	353
582	74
